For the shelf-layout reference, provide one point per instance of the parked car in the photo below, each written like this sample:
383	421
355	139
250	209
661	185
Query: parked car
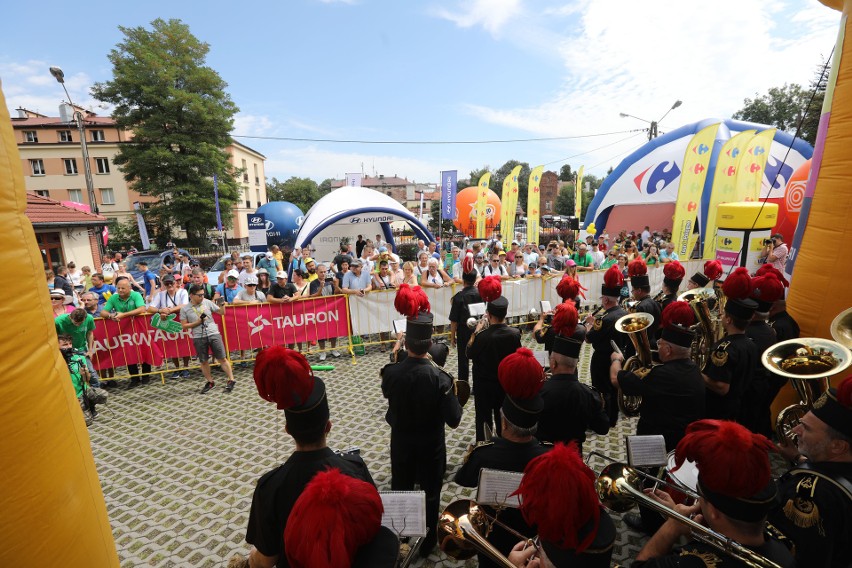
216	269
155	261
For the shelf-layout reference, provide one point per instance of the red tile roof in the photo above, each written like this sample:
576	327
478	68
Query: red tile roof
368	181
47	212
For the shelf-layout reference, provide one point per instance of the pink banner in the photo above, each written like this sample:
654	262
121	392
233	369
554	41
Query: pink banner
133	340
252	326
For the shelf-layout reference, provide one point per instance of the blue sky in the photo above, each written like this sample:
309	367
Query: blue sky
444	70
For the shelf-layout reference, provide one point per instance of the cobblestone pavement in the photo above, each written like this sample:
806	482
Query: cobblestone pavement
178	468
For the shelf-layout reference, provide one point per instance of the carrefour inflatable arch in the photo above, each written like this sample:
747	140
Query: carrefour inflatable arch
645	184
351	211
52	509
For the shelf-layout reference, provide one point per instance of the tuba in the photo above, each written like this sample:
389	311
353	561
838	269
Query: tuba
463	528
636	326
705	337
618	487
808	362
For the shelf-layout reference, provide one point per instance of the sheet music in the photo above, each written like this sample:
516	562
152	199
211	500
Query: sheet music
646	450
543	358
405	512
496	486
400	325
476	310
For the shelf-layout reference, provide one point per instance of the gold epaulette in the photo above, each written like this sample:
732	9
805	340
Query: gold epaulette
474	447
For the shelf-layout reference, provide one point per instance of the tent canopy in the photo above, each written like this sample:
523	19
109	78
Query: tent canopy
351	211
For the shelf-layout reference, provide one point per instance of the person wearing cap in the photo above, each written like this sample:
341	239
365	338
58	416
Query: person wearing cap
123	304
815	505
268	262
732	359
601	332
358	280
521	377
281	291
487	347
514	249
170	301
558	499
421	400
197	317
284	377
640	291
61	303
775	252
310	269
459	314
598	256
480	263
229	289
494	267
673	273
570	407
736	494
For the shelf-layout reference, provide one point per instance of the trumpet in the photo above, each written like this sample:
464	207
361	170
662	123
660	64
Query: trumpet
473	322
636	327
808	362
465	527
619	489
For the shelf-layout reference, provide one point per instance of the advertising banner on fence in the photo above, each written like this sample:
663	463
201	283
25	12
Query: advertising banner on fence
134	340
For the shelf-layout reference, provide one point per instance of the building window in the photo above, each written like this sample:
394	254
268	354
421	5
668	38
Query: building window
50	245
38	167
103	165
30	136
43	192
65	136
547	205
75	195
256	176
257	191
107	196
70	166
98	136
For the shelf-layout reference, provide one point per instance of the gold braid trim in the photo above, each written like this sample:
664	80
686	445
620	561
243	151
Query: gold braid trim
801	508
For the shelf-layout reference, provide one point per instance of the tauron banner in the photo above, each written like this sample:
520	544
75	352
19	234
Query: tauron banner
695	163
448	194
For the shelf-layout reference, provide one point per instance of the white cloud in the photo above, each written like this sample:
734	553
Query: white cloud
639	57
492	15
30	85
252	125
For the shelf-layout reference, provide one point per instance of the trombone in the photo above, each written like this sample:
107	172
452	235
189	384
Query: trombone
618	485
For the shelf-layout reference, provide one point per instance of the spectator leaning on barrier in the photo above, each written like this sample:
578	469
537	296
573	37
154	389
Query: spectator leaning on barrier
325	285
667	254
356	281
229	290
583	258
282	291
197	316
168	302
102	290
123	304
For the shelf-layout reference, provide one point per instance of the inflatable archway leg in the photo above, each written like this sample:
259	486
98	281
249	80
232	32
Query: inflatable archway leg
52	509
820	287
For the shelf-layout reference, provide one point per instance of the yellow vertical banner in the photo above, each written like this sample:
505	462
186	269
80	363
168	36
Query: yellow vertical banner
692	177
509	228
724	185
752	165
533	204
578	193
505	200
482	204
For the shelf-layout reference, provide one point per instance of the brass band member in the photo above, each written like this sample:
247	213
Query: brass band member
521	377
736	491
600	331
754	413
673	273
640	286
486	348
570	407
459	314
783	323
816	494
729	368
569	290
672	393
421	400
337	521
558	499
712	271
284	377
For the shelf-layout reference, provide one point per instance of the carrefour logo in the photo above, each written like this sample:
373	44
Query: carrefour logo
661	177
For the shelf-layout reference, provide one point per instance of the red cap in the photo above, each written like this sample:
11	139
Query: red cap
283	376
677	313
674	270
569	288
737	286
565	319
490	288
520	374
637	267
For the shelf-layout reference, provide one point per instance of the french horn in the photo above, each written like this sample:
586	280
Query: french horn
636	326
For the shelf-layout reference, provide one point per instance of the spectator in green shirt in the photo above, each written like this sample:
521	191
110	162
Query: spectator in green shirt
127	303
80	326
583	258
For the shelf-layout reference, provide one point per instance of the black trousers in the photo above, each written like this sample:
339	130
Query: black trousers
599	370
462	337
423	463
134	371
487	400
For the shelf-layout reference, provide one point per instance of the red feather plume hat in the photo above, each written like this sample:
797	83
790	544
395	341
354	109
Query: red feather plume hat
334	516
737	286
569	288
521	377
565	318
766	290
676	320
490	288
713	269
637	270
410	300
558	498
673	273
769	269
613	282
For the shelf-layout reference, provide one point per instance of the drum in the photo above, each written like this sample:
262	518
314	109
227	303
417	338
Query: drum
686	477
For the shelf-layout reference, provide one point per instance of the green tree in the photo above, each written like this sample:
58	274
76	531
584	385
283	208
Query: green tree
324	188
787	107
565	173
180	115
523	180
565	201
302	192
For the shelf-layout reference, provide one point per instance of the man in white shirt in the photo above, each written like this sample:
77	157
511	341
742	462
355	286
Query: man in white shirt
494	268
248	270
182	267
597	256
168	302
646	234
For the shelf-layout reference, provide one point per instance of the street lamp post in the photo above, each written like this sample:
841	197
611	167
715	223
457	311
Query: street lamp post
87	169
652	130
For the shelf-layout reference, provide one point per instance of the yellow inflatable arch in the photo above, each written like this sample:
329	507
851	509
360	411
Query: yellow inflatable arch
52	510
